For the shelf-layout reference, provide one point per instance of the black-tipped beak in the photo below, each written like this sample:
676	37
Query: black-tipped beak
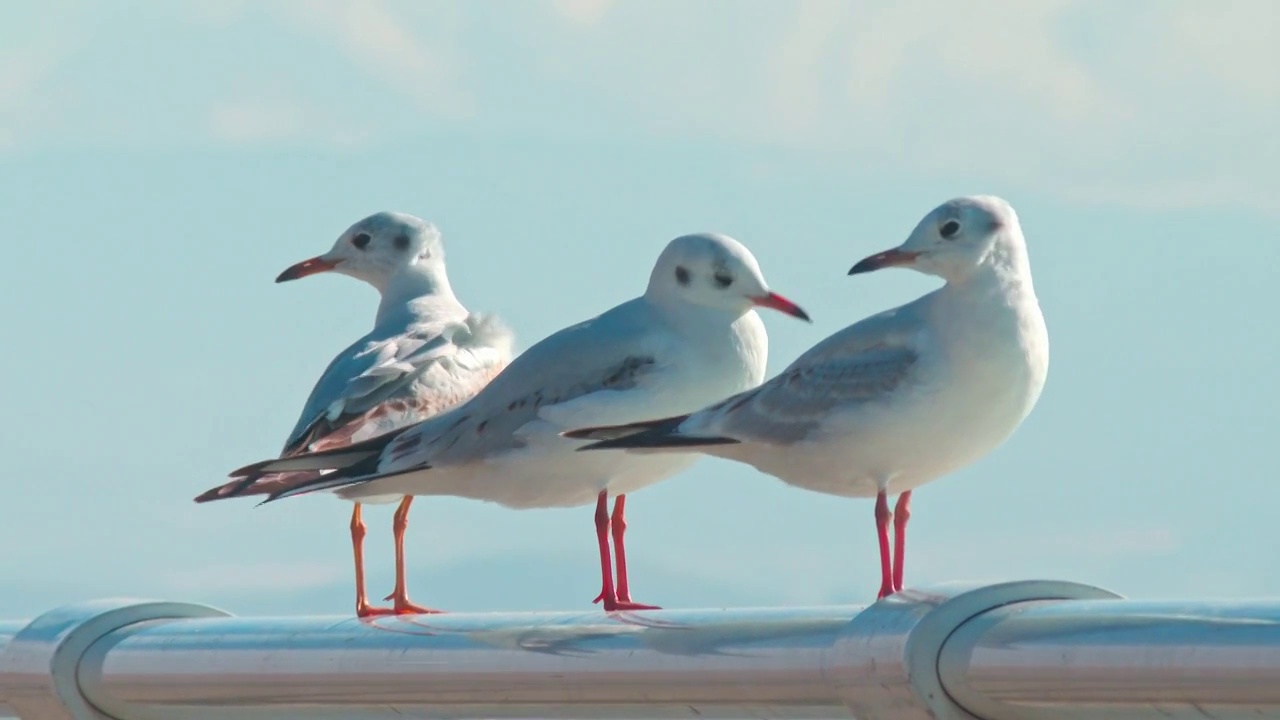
777	302
881	260
307	267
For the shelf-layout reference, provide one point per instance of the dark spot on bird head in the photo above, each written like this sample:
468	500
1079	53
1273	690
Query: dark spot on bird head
682	275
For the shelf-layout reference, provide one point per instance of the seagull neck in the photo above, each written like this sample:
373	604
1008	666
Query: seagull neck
685	314
1004	270
407	285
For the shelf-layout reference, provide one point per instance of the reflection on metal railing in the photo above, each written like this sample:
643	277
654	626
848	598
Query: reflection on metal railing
1023	650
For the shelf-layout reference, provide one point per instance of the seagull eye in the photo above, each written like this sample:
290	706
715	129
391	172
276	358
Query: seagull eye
949	229
402	242
723	280
682	275
361	241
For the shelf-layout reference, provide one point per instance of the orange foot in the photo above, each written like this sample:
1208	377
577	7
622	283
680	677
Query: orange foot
365	610
628	605
404	606
612	604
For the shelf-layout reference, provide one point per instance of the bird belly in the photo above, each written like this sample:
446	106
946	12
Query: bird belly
525	479
895	448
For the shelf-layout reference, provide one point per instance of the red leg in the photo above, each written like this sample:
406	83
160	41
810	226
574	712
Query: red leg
619	526
363	608
403	606
883	516
901	514
607	594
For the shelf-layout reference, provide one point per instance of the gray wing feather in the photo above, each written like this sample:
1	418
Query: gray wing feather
791	405
595	370
369	372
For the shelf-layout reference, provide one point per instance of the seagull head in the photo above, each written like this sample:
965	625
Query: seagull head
955	239
377	248
715	271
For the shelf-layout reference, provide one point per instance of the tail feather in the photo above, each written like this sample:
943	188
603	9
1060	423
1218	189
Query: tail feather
358	474
326	460
611	432
340	477
305	472
257	485
647	435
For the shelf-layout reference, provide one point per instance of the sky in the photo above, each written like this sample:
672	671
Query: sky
161	162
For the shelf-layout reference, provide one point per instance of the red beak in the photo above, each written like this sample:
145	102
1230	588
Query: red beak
781	304
306	267
888	258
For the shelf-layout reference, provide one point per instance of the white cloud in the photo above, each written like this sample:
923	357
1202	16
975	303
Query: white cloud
795	77
582	12
253	122
386	44
265	119
1230	44
1061	96
1164	104
215	13
29	96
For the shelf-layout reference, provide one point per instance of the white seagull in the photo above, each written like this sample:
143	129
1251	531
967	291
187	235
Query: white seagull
691	338
425	354
900	398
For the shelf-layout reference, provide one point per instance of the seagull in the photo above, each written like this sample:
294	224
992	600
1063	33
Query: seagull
895	400
692	337
425	354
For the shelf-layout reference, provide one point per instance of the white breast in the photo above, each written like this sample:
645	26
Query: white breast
978	377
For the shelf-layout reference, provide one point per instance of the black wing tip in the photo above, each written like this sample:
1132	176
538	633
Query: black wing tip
643	441
362	471
229	490
583	433
612	432
211	495
251	469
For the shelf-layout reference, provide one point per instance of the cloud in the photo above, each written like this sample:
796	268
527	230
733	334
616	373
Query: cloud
237	89
1059	96
265	119
1062	97
252	122
30	97
794	70
582	12
215	13
386	44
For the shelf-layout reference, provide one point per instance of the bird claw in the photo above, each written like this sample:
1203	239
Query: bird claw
628	605
404	607
411	609
364	610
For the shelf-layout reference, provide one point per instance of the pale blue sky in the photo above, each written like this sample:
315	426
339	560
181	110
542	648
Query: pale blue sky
161	162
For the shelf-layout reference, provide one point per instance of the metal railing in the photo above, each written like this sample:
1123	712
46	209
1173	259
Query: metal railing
1035	650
